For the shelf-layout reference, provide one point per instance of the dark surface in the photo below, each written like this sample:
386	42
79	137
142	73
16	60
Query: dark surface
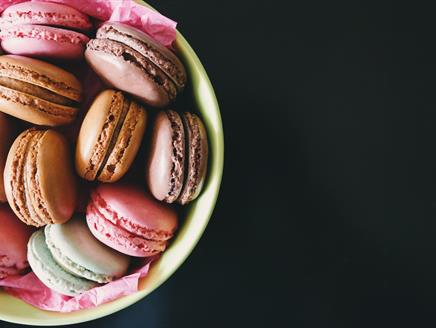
327	211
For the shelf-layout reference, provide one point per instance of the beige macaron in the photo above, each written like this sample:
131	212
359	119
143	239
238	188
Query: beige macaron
110	137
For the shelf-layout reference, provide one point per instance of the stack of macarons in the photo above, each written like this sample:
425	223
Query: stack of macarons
133	155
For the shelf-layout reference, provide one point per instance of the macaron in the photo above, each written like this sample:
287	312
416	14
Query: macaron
77	251
6	138
130	220
14	236
177	162
50	273
129	60
38	92
110	137
44	29
39	180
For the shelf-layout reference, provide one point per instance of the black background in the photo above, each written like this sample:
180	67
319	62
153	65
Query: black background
326	216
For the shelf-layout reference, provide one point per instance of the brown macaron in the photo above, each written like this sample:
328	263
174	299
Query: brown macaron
6	137
38	92
39	180
177	163
128	59
110	137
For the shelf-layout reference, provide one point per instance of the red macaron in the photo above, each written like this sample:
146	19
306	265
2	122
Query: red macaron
130	220
14	236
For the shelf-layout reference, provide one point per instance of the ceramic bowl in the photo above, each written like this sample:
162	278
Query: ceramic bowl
196	218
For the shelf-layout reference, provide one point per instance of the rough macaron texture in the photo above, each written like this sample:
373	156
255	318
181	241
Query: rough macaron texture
7	132
37	29
130	221
14	236
43	41
40	186
178	156
109	137
197	158
121	51
76	250
49	272
38	92
44	13
166	163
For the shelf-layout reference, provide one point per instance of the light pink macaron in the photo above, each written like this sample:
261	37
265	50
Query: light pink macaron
14	236
130	220
44	29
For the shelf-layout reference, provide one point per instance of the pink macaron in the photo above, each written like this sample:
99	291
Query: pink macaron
14	236
130	220
44	29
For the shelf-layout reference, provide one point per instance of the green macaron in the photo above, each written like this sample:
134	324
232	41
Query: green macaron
68	259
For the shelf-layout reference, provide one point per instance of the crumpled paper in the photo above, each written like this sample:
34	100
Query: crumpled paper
28	287
159	27
32	291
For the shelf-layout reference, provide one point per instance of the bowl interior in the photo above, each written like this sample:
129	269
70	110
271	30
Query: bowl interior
196	216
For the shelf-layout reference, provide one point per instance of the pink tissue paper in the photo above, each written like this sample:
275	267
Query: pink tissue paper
32	291
159	27
28	288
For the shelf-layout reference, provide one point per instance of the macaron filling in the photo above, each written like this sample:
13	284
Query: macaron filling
148	50
22	73
115	134
178	166
20	197
194	155
70	266
133	57
36	91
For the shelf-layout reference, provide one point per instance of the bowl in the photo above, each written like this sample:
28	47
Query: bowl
196	218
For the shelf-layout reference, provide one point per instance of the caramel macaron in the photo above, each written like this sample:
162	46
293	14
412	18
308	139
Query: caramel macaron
128	59
38	92
177	163
110	137
39	180
6	138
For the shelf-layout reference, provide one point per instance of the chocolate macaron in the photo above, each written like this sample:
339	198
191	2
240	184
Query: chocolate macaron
6	138
109	137
177	163
128	59
38	92
39	181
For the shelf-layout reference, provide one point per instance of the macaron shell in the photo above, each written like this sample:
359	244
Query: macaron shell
197	158
6	134
165	165
35	110
49	272
43	41
162	57
45	13
41	186
57	182
116	72
96	132
42	74
74	241
126	146
14	236
14	177
120	239
137	211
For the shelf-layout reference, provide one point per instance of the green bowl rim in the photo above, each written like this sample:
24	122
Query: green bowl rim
218	160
